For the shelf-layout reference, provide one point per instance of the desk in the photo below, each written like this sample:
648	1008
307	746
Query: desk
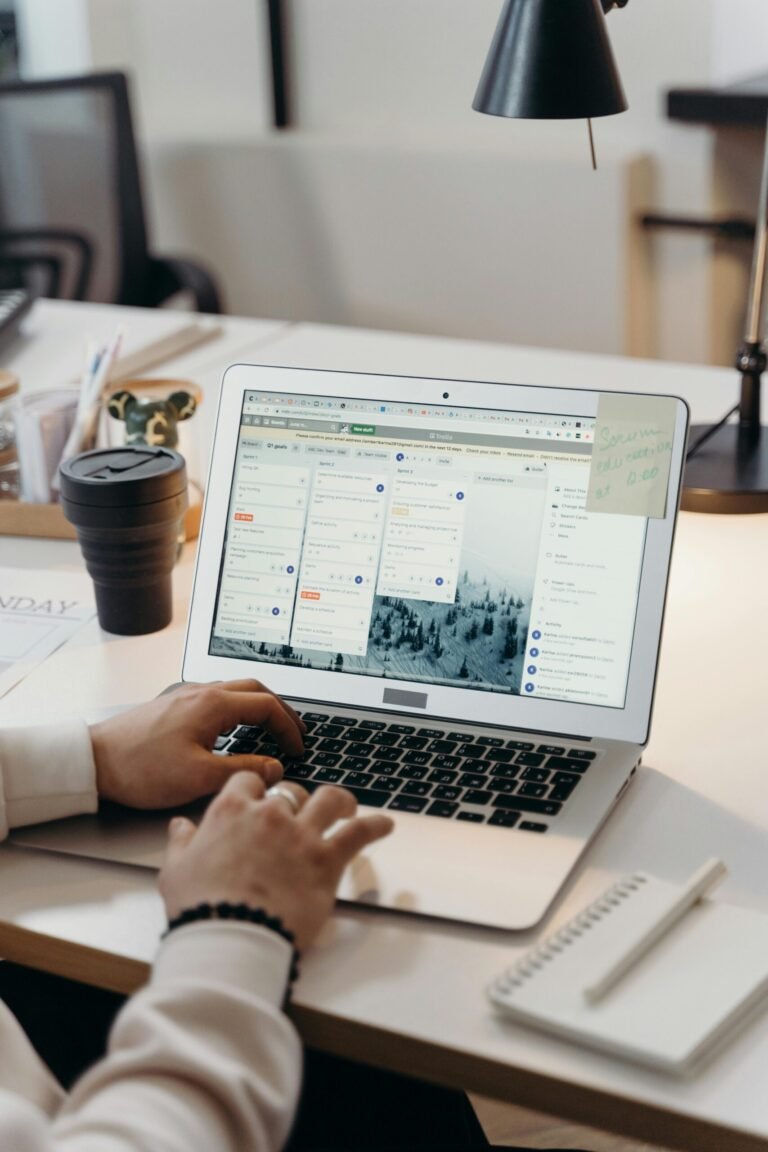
408	994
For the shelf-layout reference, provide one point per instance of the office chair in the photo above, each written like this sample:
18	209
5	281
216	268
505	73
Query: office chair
71	208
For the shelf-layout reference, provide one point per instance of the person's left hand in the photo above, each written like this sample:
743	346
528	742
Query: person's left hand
160	754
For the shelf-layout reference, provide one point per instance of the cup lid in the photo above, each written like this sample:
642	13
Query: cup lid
123	477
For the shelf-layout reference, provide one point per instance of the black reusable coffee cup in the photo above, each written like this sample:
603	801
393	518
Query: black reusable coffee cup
127	505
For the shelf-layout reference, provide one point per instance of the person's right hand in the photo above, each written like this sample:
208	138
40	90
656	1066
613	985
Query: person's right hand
254	850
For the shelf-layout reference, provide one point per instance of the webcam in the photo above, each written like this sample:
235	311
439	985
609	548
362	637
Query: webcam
445	395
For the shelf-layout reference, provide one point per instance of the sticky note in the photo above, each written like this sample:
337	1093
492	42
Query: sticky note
632	454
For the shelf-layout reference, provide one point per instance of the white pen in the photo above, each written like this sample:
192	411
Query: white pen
702	881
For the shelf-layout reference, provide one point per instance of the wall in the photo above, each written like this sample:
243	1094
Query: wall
383	73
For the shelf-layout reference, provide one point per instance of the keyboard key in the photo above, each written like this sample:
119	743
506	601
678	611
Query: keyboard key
569	779
477	796
526	804
473	780
416	788
354	763
470	751
334	730
446	762
530	759
376	725
443	746
561	793
440	808
328	775
460	737
500	755
433	733
387	783
328	745
383	767
357	749
414	742
535	790
550	750
228	732
358	779
519	745
417	758
581	754
530	826
446	792
388	754
362	735
384	739
504	819
535	775
439	776
500	786
408	803
490	741
249	732
402	729
508	771
298	771
220	743
472	817
315	717
411	772
238	747
372	797
325	759
564	764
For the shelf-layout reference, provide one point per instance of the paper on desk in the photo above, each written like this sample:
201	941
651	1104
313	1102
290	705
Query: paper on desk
39	611
632	454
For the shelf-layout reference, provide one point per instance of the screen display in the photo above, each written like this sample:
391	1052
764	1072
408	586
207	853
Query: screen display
426	544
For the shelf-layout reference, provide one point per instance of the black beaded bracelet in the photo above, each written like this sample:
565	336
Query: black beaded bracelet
242	912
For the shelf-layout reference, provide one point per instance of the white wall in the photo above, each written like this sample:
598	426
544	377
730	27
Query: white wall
385	72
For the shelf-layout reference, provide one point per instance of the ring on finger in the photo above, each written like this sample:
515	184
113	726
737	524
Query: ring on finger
284	793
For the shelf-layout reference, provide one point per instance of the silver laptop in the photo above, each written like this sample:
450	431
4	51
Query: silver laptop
460	585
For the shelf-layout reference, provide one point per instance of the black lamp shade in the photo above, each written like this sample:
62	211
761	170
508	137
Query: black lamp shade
550	60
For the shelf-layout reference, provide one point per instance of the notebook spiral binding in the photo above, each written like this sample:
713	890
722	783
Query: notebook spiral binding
533	961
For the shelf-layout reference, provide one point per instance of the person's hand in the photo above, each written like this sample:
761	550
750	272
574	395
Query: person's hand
257	851
160	755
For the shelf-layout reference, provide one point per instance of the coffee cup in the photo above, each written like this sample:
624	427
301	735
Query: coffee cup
127	505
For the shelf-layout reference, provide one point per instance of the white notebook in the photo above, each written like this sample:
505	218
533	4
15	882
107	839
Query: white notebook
688	993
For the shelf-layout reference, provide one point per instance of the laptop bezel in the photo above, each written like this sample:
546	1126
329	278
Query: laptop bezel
630	723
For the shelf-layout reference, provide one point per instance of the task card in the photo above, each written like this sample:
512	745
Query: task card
632	454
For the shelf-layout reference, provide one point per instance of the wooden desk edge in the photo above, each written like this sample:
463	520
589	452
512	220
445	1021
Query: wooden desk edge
421	1059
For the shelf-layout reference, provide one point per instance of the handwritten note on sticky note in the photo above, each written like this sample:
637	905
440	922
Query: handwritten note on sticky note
632	454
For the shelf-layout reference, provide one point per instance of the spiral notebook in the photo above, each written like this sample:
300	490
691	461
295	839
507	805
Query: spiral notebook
674	1007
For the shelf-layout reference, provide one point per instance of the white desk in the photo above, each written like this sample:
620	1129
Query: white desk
408	994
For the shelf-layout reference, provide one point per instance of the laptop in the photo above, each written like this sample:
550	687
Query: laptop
460	586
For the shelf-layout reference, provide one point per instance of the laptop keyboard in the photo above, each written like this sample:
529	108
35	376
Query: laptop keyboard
442	773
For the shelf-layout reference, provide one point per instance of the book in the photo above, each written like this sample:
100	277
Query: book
677	1003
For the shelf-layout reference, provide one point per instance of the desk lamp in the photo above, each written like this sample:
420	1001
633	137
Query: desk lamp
552	60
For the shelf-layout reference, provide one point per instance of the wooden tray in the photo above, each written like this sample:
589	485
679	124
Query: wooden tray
17	518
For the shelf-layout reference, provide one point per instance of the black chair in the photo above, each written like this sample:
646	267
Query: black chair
71	208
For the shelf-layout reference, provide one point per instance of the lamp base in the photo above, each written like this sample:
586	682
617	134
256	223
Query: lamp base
728	474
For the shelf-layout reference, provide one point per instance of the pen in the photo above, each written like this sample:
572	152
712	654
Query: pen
699	884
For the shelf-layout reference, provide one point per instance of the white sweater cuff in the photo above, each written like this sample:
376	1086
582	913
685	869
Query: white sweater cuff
46	773
228	952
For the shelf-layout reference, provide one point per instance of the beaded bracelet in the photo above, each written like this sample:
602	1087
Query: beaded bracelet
242	912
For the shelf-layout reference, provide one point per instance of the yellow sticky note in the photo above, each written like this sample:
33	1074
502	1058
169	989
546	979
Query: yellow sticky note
632	454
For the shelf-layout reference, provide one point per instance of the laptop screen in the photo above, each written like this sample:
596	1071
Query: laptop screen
426	544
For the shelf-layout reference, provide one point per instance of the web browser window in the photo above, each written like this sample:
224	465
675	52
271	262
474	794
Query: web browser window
426	544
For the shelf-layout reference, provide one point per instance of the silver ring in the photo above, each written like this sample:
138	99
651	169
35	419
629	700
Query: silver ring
285	794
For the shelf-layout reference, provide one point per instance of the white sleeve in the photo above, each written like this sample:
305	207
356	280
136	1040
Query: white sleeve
45	773
203	1057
